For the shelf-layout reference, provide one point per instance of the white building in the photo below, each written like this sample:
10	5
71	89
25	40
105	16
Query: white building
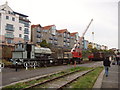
14	26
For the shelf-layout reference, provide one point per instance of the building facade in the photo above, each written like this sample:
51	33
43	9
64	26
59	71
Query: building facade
14	26
48	33
74	37
63	38
58	38
85	45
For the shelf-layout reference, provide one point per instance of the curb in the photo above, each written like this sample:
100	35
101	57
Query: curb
98	82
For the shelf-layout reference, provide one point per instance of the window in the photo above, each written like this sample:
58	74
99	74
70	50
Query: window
9	35
20	28
20	35
26	37
9	27
13	19
53	30
9	41
64	34
9	12
7	17
26	31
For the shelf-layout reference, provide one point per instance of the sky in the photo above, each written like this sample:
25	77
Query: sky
74	15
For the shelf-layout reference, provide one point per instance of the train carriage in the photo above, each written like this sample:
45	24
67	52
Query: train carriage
31	54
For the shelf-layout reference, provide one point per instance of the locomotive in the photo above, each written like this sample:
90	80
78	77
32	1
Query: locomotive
32	55
96	56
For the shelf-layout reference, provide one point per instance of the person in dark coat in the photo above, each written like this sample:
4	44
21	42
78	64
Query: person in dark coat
118	58
106	64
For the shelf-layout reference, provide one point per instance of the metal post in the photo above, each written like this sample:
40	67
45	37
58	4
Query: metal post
34	65
0	67
26	66
16	67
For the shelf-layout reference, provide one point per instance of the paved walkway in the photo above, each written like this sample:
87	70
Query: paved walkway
113	79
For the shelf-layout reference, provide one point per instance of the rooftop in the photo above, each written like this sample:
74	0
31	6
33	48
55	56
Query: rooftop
62	31
73	34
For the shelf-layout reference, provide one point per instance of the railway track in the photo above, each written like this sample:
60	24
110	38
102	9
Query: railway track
60	81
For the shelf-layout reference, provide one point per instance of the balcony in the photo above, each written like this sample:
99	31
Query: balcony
55	43
38	31
65	45
51	38
65	36
24	19
26	37
26	31
38	36
65	40
9	35
9	28
68	41
38	41
45	31
69	37
55	38
26	25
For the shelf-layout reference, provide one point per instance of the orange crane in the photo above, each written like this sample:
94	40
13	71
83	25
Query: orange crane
77	49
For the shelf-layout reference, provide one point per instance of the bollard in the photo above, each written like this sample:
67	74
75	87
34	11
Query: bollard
74	63
34	65
26	66
16	67
0	67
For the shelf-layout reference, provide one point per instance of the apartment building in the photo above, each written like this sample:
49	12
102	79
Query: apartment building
48	33
59	38
36	33
63	38
14	26
85	44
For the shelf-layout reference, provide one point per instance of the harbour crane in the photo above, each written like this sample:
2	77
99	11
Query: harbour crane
77	48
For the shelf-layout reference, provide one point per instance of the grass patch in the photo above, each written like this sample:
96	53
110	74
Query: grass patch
6	62
29	83
88	80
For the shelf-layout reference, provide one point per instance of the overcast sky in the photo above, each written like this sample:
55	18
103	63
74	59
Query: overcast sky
74	15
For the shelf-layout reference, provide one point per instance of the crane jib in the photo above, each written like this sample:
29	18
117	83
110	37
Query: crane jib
79	42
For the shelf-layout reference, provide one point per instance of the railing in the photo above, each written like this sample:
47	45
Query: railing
9	28
38	31
51	38
9	35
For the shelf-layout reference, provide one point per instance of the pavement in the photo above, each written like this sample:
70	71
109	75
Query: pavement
112	81
10	76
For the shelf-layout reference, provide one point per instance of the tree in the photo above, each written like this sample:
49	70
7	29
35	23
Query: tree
90	46
6	52
45	44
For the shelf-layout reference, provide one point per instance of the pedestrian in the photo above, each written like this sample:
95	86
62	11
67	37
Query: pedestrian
117	58
106	63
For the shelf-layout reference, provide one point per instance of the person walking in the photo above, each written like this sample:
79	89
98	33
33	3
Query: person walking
106	63
118	58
